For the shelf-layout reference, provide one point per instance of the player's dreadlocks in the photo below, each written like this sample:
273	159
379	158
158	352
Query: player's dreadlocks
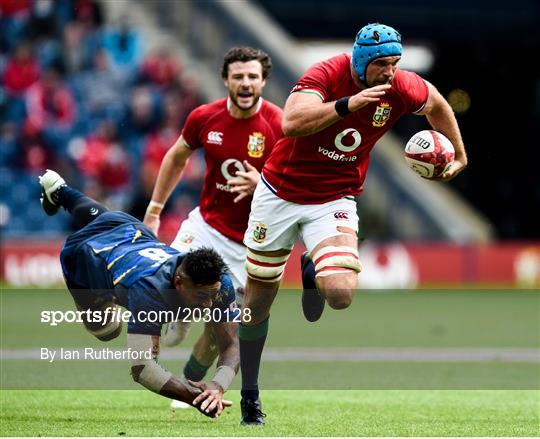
245	54
204	266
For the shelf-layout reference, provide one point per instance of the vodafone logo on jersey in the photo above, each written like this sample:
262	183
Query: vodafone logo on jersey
346	141
215	138
229	168
231	165
348	134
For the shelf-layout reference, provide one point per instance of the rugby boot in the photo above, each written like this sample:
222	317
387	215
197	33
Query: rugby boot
312	300
175	333
179	405
252	412
50	182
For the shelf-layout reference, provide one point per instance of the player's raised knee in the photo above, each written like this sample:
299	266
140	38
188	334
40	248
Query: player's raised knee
331	260
339	299
336	268
339	290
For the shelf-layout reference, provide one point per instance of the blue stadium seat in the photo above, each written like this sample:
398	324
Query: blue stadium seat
19	189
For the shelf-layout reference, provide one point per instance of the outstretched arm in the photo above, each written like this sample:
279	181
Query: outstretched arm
441	117
169	174
228	345
228	363
148	372
305	114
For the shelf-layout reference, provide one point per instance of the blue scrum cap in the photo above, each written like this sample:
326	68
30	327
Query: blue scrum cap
374	41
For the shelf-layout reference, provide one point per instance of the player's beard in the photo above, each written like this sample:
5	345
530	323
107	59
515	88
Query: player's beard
234	98
374	83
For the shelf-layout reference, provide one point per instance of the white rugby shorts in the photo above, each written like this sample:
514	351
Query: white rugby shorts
195	233
276	224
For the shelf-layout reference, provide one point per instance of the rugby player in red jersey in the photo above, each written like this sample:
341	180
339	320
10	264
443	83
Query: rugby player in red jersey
336	112
237	134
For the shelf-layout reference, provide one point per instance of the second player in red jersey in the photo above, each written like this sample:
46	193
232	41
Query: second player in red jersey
228	143
333	162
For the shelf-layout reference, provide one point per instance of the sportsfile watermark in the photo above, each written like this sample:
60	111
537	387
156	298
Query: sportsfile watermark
119	315
407	339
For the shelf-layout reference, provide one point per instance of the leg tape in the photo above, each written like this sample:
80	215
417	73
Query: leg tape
265	268
336	259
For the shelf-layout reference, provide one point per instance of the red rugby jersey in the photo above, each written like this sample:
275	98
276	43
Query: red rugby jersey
227	142
333	163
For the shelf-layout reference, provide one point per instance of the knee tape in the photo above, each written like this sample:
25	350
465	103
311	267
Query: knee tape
336	259
265	268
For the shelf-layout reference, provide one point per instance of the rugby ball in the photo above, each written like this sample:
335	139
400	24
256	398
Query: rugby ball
429	153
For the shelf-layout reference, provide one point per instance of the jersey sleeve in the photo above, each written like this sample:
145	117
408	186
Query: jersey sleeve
275	120
275	125
192	128
413	90
315	80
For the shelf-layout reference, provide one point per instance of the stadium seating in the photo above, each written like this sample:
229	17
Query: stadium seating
90	73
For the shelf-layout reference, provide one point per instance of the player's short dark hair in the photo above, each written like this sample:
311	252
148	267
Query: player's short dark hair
245	54
203	266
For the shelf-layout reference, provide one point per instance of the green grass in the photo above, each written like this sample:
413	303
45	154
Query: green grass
440	318
425	319
307	413
288	375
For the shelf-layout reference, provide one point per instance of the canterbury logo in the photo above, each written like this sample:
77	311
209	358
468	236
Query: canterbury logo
94	211
341	215
215	137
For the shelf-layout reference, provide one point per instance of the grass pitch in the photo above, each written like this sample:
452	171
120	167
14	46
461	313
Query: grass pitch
459	398
290	413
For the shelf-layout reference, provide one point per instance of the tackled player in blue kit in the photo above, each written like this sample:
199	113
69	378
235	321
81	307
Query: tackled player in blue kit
115	260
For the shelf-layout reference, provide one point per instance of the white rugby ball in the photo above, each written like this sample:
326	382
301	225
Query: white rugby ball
429	153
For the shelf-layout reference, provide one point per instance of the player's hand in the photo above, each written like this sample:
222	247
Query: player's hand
210	402
366	96
244	182
152	221
457	166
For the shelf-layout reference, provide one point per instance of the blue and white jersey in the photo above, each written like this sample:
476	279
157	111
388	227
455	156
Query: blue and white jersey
117	255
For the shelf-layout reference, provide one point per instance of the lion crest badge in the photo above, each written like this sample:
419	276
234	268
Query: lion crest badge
256	145
259	233
381	115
